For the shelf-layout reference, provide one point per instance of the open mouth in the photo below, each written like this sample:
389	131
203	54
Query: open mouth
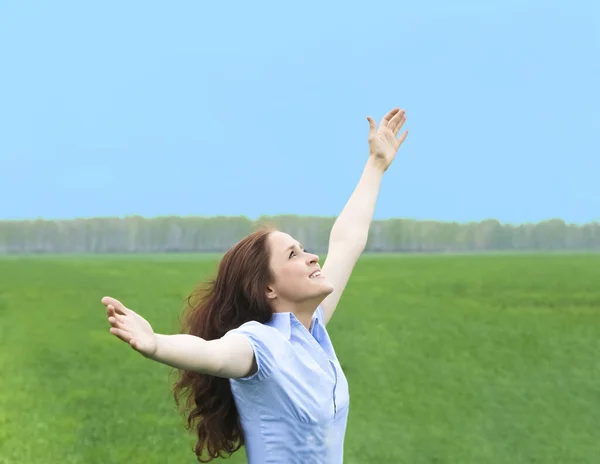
315	275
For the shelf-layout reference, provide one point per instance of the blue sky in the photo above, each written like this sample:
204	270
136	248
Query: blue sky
250	108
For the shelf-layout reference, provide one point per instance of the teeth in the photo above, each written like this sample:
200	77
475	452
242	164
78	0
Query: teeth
315	274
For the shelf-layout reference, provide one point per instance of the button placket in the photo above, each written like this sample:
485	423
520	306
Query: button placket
324	356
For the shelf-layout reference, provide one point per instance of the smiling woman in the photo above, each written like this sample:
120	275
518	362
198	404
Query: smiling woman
257	366
297	279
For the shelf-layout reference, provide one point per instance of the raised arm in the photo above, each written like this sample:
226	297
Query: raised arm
350	231
230	357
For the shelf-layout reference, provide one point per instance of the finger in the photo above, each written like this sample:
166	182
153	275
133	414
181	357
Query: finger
121	334
399	126
110	311
397	121
385	121
372	127
119	307
401	139
115	322
136	345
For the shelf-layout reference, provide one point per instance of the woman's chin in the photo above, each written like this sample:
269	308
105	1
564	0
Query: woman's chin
326	286
321	287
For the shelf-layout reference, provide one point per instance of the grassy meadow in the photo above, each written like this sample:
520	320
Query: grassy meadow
450	359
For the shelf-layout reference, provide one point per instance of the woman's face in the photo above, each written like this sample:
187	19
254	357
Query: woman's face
297	276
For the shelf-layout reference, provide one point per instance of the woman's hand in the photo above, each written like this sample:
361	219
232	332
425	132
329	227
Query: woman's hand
383	144
130	327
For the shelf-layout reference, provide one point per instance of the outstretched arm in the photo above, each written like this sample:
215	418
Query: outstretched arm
350	231
229	357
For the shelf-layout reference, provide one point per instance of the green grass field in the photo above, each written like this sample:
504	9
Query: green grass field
450	359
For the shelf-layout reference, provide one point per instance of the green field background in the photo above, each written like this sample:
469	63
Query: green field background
450	359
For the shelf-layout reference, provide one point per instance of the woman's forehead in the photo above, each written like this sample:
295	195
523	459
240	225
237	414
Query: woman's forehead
281	241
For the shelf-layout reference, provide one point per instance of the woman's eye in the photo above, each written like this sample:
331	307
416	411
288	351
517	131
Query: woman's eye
302	249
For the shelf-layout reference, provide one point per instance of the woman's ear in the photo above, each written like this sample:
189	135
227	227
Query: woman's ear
271	294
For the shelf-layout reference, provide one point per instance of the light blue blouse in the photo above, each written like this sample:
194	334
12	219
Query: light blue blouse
294	409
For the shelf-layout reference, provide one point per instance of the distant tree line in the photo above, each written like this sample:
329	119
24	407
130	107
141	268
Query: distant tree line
135	234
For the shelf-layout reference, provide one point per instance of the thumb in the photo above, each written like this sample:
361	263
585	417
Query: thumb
372	127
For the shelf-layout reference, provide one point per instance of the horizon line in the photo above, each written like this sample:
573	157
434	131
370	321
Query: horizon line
280	215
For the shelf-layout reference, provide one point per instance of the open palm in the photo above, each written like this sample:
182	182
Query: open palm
130	327
383	144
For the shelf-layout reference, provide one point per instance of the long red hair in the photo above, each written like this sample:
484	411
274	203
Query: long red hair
236	295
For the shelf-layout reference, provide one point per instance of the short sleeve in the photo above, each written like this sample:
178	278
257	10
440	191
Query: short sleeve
268	347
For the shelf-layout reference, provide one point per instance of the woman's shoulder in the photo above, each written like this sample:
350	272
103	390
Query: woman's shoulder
270	348
264	335
254	327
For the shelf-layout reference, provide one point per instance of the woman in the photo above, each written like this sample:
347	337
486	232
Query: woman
255	358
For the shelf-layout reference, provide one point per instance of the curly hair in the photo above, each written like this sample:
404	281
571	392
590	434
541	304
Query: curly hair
236	295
